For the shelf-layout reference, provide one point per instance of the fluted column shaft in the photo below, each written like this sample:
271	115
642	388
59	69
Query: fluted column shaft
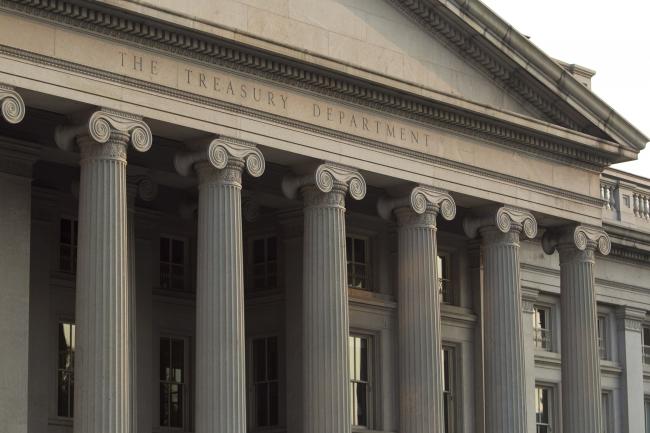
581	394
419	325
326	397
220	341
505	383
102	361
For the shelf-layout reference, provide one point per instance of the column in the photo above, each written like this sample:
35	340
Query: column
102	401
419	326
16	160
631	358
220	341
529	296
505	380
143	187
581	393
325	317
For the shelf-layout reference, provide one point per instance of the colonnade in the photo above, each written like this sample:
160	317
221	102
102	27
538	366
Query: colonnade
104	370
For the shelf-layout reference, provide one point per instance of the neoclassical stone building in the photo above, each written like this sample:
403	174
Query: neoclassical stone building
336	216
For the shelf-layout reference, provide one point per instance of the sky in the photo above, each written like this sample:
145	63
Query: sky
612	38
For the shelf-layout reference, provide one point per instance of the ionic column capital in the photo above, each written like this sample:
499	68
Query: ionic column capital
228	156
12	104
422	200
505	219
576	238
327	177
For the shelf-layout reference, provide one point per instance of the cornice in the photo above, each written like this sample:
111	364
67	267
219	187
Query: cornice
512	58
162	37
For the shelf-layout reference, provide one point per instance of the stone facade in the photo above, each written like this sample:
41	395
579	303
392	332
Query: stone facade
312	217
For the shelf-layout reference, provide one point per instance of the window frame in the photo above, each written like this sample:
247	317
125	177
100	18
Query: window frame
250	261
603	341
456	382
548	330
186	286
646	411
447	256
74	245
250	383
553	406
187	384
371	398
645	345
607	409
367	287
58	369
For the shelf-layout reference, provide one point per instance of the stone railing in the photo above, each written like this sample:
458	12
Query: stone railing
626	199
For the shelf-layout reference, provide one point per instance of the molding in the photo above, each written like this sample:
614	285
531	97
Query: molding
631	254
420	199
510	58
630	318
210	50
17	157
12	105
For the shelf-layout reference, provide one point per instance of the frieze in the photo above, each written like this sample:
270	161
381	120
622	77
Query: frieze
179	42
215	103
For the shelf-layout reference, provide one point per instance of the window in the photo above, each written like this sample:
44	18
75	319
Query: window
173	385
444	282
602	337
172	263
265	386
68	235
646	406
606	412
544	409
542	327
360	380
449	388
265	264
357	256
646	345
65	371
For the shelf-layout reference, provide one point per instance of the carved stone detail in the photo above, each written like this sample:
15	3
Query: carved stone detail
102	126
421	199
505	219
584	238
630	319
142	186
327	177
223	154
12	105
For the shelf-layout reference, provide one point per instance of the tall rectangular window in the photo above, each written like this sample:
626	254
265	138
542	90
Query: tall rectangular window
265	382
68	234
449	388
173	381
357	257
606	412
265	264
172	263
602	337
65	370
544	409
444	281
646	407
646	345
542	327
360	380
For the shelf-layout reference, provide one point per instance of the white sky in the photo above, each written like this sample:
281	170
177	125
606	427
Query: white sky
612	38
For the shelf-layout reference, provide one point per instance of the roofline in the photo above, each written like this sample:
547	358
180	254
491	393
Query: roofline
587	102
